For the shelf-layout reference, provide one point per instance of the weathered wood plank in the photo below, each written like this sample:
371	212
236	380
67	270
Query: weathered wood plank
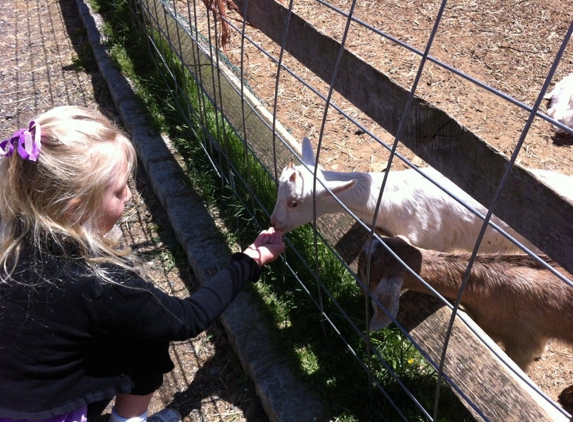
528	206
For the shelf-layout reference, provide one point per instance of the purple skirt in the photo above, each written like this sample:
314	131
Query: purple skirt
78	415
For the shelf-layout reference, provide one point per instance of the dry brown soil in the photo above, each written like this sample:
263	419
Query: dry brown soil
508	45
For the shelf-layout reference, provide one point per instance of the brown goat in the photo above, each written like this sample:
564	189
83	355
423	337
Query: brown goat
513	298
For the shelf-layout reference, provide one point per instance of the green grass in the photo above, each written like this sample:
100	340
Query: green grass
287	302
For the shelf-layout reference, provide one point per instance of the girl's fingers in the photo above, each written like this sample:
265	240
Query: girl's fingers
269	236
274	234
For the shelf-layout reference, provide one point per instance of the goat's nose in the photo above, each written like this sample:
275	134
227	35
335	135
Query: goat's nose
278	228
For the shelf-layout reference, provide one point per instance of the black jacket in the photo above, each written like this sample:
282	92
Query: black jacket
66	338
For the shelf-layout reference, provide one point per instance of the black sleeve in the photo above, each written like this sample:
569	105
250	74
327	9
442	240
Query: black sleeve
140	310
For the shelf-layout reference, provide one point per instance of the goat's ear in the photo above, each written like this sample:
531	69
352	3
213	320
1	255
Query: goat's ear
293	176
307	152
388	295
290	164
336	187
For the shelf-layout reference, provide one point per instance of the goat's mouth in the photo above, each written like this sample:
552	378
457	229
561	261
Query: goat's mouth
283	229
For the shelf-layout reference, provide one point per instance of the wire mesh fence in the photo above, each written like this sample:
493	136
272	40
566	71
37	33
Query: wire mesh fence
384	91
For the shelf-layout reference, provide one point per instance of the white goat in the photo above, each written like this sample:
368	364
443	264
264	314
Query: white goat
411	206
561	184
561	102
513	298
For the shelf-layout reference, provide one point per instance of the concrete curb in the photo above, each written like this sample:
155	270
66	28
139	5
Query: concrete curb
284	398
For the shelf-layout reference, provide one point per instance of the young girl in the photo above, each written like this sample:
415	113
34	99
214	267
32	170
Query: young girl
78	325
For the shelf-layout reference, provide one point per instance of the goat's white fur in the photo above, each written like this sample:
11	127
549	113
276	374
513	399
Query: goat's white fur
561	102
412	206
513	298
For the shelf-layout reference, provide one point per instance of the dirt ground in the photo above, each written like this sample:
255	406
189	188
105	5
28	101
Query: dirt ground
508	45
40	69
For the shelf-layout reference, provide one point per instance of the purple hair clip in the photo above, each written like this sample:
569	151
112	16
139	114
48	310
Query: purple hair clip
28	146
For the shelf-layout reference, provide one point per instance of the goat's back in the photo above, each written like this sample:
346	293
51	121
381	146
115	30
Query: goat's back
504	292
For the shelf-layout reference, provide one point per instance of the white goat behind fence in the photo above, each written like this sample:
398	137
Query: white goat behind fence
512	297
561	102
412	206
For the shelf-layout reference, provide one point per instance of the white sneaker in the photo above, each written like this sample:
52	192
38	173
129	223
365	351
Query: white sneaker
165	415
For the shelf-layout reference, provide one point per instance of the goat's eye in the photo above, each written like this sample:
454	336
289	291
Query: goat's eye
292	204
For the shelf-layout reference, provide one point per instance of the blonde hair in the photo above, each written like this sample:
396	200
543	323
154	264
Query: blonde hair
58	198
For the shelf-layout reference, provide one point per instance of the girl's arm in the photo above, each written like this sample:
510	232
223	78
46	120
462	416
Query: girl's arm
154	314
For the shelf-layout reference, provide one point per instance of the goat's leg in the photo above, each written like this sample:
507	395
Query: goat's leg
524	350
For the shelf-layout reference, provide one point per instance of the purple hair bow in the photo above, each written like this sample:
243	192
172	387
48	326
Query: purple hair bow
27	146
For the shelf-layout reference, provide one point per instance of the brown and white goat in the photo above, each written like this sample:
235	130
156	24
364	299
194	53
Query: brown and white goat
513	298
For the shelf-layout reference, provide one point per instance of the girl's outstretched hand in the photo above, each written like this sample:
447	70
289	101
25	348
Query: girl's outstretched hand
267	247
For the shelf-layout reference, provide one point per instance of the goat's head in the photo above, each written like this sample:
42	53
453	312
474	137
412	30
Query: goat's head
294	206
385	276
